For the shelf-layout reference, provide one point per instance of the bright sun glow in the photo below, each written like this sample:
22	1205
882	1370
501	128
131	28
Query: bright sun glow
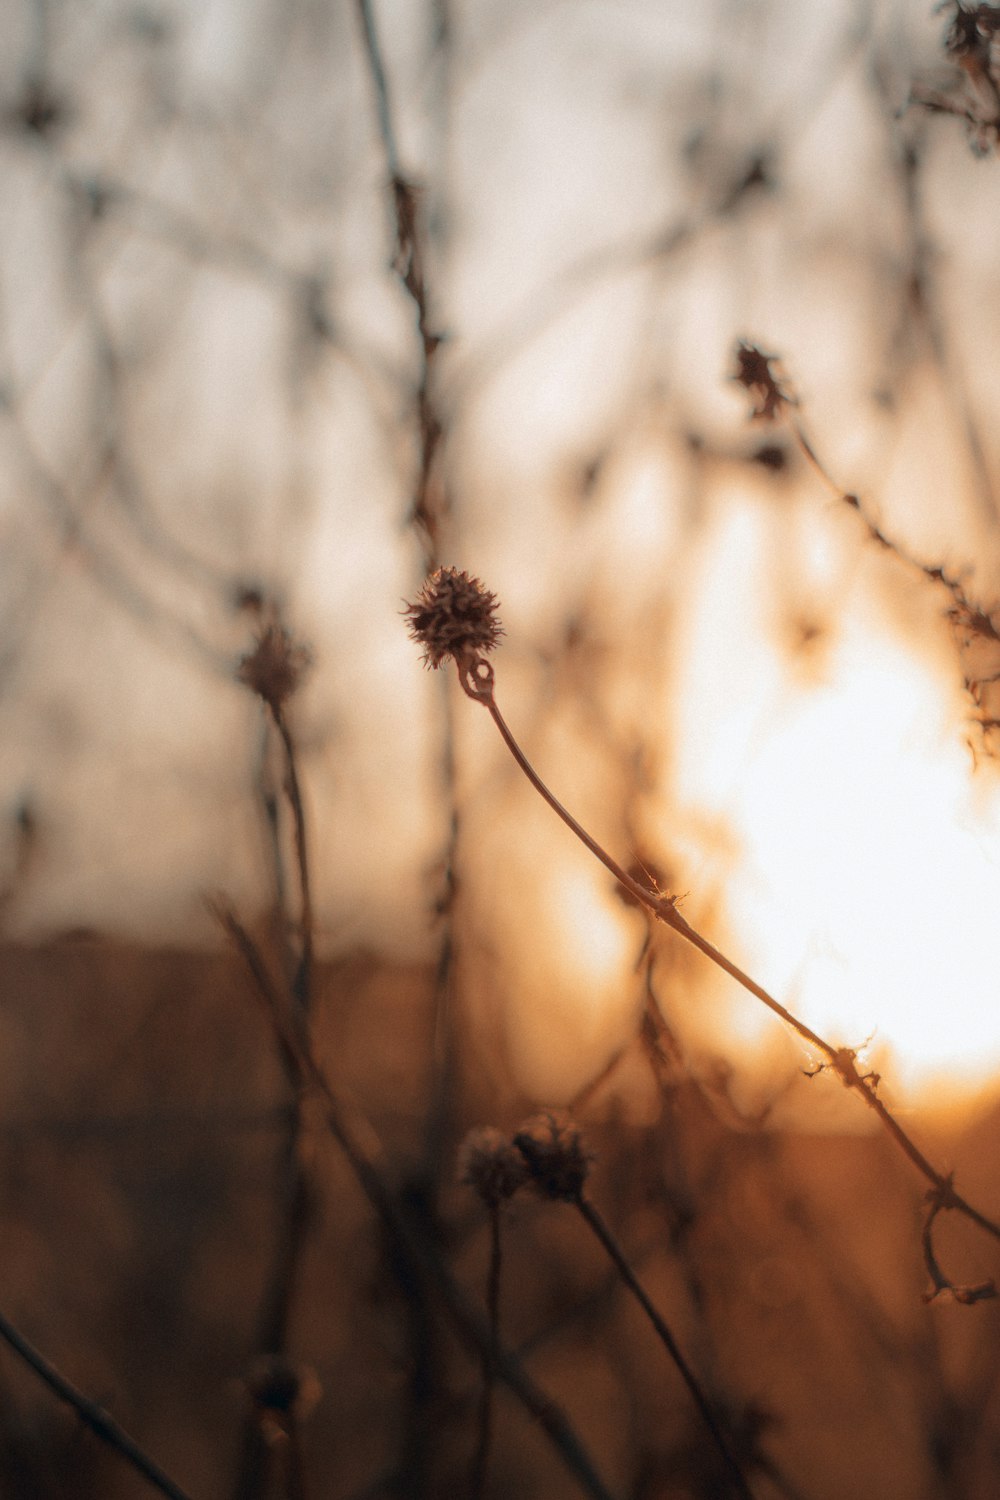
867	883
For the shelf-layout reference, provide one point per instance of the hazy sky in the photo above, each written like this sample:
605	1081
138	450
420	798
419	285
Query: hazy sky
209	370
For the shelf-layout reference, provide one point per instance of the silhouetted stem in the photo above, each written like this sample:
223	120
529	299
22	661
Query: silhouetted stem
302	982
376	69
92	1415
481	1454
363	1152
614	1250
477	679
256	1459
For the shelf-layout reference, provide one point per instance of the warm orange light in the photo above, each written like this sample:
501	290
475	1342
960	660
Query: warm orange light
866	885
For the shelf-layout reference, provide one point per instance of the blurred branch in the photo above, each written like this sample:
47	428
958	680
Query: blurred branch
376	67
430	507
71	519
477	679
363	1152
428	514
274	671
971	621
99	1421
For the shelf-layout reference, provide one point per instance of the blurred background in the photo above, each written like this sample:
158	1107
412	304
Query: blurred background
298	301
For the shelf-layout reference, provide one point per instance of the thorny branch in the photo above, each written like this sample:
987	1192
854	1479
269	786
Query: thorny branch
757	372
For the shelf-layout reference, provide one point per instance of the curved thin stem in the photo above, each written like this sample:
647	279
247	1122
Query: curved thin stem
477	680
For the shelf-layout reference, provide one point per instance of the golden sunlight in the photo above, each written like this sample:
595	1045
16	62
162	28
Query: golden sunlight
866	881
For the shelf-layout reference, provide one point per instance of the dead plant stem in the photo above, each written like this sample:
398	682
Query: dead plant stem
363	1151
481	1455
477	680
701	1401
100	1422
293	1184
302	981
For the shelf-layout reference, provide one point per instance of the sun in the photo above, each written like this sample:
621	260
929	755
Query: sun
866	876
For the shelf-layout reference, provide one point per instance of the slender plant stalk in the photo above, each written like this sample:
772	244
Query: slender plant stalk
376	68
363	1152
701	1401
481	1455
256	1459
477	680
428	515
302	982
100	1422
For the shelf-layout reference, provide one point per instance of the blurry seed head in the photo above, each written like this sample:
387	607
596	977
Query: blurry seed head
491	1165
275	667
557	1161
755	372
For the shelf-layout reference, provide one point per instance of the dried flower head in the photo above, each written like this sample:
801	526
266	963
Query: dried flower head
454	615
754	372
558	1163
491	1165
970	33
275	667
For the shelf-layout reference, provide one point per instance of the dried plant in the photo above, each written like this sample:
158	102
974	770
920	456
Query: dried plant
287	1287
477	679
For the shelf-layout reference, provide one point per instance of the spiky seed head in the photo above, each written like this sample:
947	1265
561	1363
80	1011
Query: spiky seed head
453	615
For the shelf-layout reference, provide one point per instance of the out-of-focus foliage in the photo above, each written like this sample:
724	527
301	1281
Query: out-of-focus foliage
277	335
209	368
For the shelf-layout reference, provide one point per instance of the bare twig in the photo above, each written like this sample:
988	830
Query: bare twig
273	670
428	515
100	1422
429	508
970	621
477	679
485	1423
302	980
